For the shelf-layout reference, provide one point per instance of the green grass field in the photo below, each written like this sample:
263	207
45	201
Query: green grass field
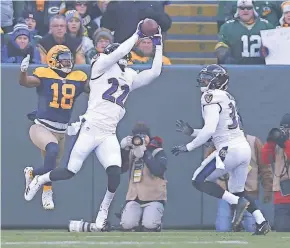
177	239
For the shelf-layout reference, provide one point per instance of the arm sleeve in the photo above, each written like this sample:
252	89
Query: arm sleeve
147	76
195	132
157	164
106	61
211	119
223	37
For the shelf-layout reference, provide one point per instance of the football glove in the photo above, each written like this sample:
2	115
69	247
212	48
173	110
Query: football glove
157	38
178	149
184	127
25	63
139	32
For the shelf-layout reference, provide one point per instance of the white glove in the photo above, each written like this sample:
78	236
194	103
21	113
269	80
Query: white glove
138	151
126	143
25	63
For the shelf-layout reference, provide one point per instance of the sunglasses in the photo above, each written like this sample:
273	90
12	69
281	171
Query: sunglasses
247	8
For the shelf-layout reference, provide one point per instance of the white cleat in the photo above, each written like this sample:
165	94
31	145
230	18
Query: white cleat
32	189
47	200
28	176
101	220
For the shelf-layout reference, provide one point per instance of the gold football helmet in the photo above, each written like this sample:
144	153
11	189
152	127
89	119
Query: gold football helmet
60	58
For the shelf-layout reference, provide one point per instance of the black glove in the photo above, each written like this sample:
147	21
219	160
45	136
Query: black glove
178	149
184	127
277	136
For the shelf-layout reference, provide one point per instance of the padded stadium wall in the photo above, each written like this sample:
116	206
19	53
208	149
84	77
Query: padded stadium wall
262	94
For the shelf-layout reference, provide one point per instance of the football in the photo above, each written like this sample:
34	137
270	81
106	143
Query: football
149	27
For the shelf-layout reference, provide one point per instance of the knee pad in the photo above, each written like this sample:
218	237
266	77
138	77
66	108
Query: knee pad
52	149
114	177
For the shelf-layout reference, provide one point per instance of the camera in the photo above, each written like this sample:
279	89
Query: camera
138	139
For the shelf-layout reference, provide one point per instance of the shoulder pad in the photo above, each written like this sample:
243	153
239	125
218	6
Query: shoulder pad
212	97
78	75
43	72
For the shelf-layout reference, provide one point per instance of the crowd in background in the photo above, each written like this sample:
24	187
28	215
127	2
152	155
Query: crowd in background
86	27
240	24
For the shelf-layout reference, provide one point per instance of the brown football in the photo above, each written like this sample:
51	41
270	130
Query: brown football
149	27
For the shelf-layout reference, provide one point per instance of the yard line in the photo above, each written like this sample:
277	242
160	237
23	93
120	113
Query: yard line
121	243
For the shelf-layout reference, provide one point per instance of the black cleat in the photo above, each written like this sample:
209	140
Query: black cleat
241	207
263	228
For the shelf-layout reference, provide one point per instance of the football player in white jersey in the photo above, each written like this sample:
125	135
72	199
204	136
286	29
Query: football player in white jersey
233	152
111	82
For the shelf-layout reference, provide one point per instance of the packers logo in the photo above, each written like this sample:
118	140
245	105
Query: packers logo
208	98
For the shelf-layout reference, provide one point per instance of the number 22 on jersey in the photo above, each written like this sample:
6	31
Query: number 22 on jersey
120	100
67	96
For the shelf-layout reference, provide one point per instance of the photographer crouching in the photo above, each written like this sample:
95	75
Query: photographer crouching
146	161
277	152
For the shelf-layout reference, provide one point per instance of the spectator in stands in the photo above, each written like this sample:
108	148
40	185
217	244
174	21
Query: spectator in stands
143	53
256	169
7	16
19	46
269	10
102	38
226	10
75	28
58	36
284	22
31	22
82	8
240	39
285	19
43	10
102	6
18	7
122	17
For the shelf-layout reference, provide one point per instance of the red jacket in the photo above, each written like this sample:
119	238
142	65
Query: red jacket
268	157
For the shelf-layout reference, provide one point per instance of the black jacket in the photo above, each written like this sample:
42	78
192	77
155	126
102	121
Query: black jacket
123	17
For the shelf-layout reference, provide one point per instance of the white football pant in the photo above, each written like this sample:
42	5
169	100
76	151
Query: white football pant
236	163
90	138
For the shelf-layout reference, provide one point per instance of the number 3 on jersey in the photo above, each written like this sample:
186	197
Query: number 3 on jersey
236	119
109	92
68	92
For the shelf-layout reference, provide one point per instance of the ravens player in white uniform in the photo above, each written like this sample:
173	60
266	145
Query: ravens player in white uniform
111	82
233	153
